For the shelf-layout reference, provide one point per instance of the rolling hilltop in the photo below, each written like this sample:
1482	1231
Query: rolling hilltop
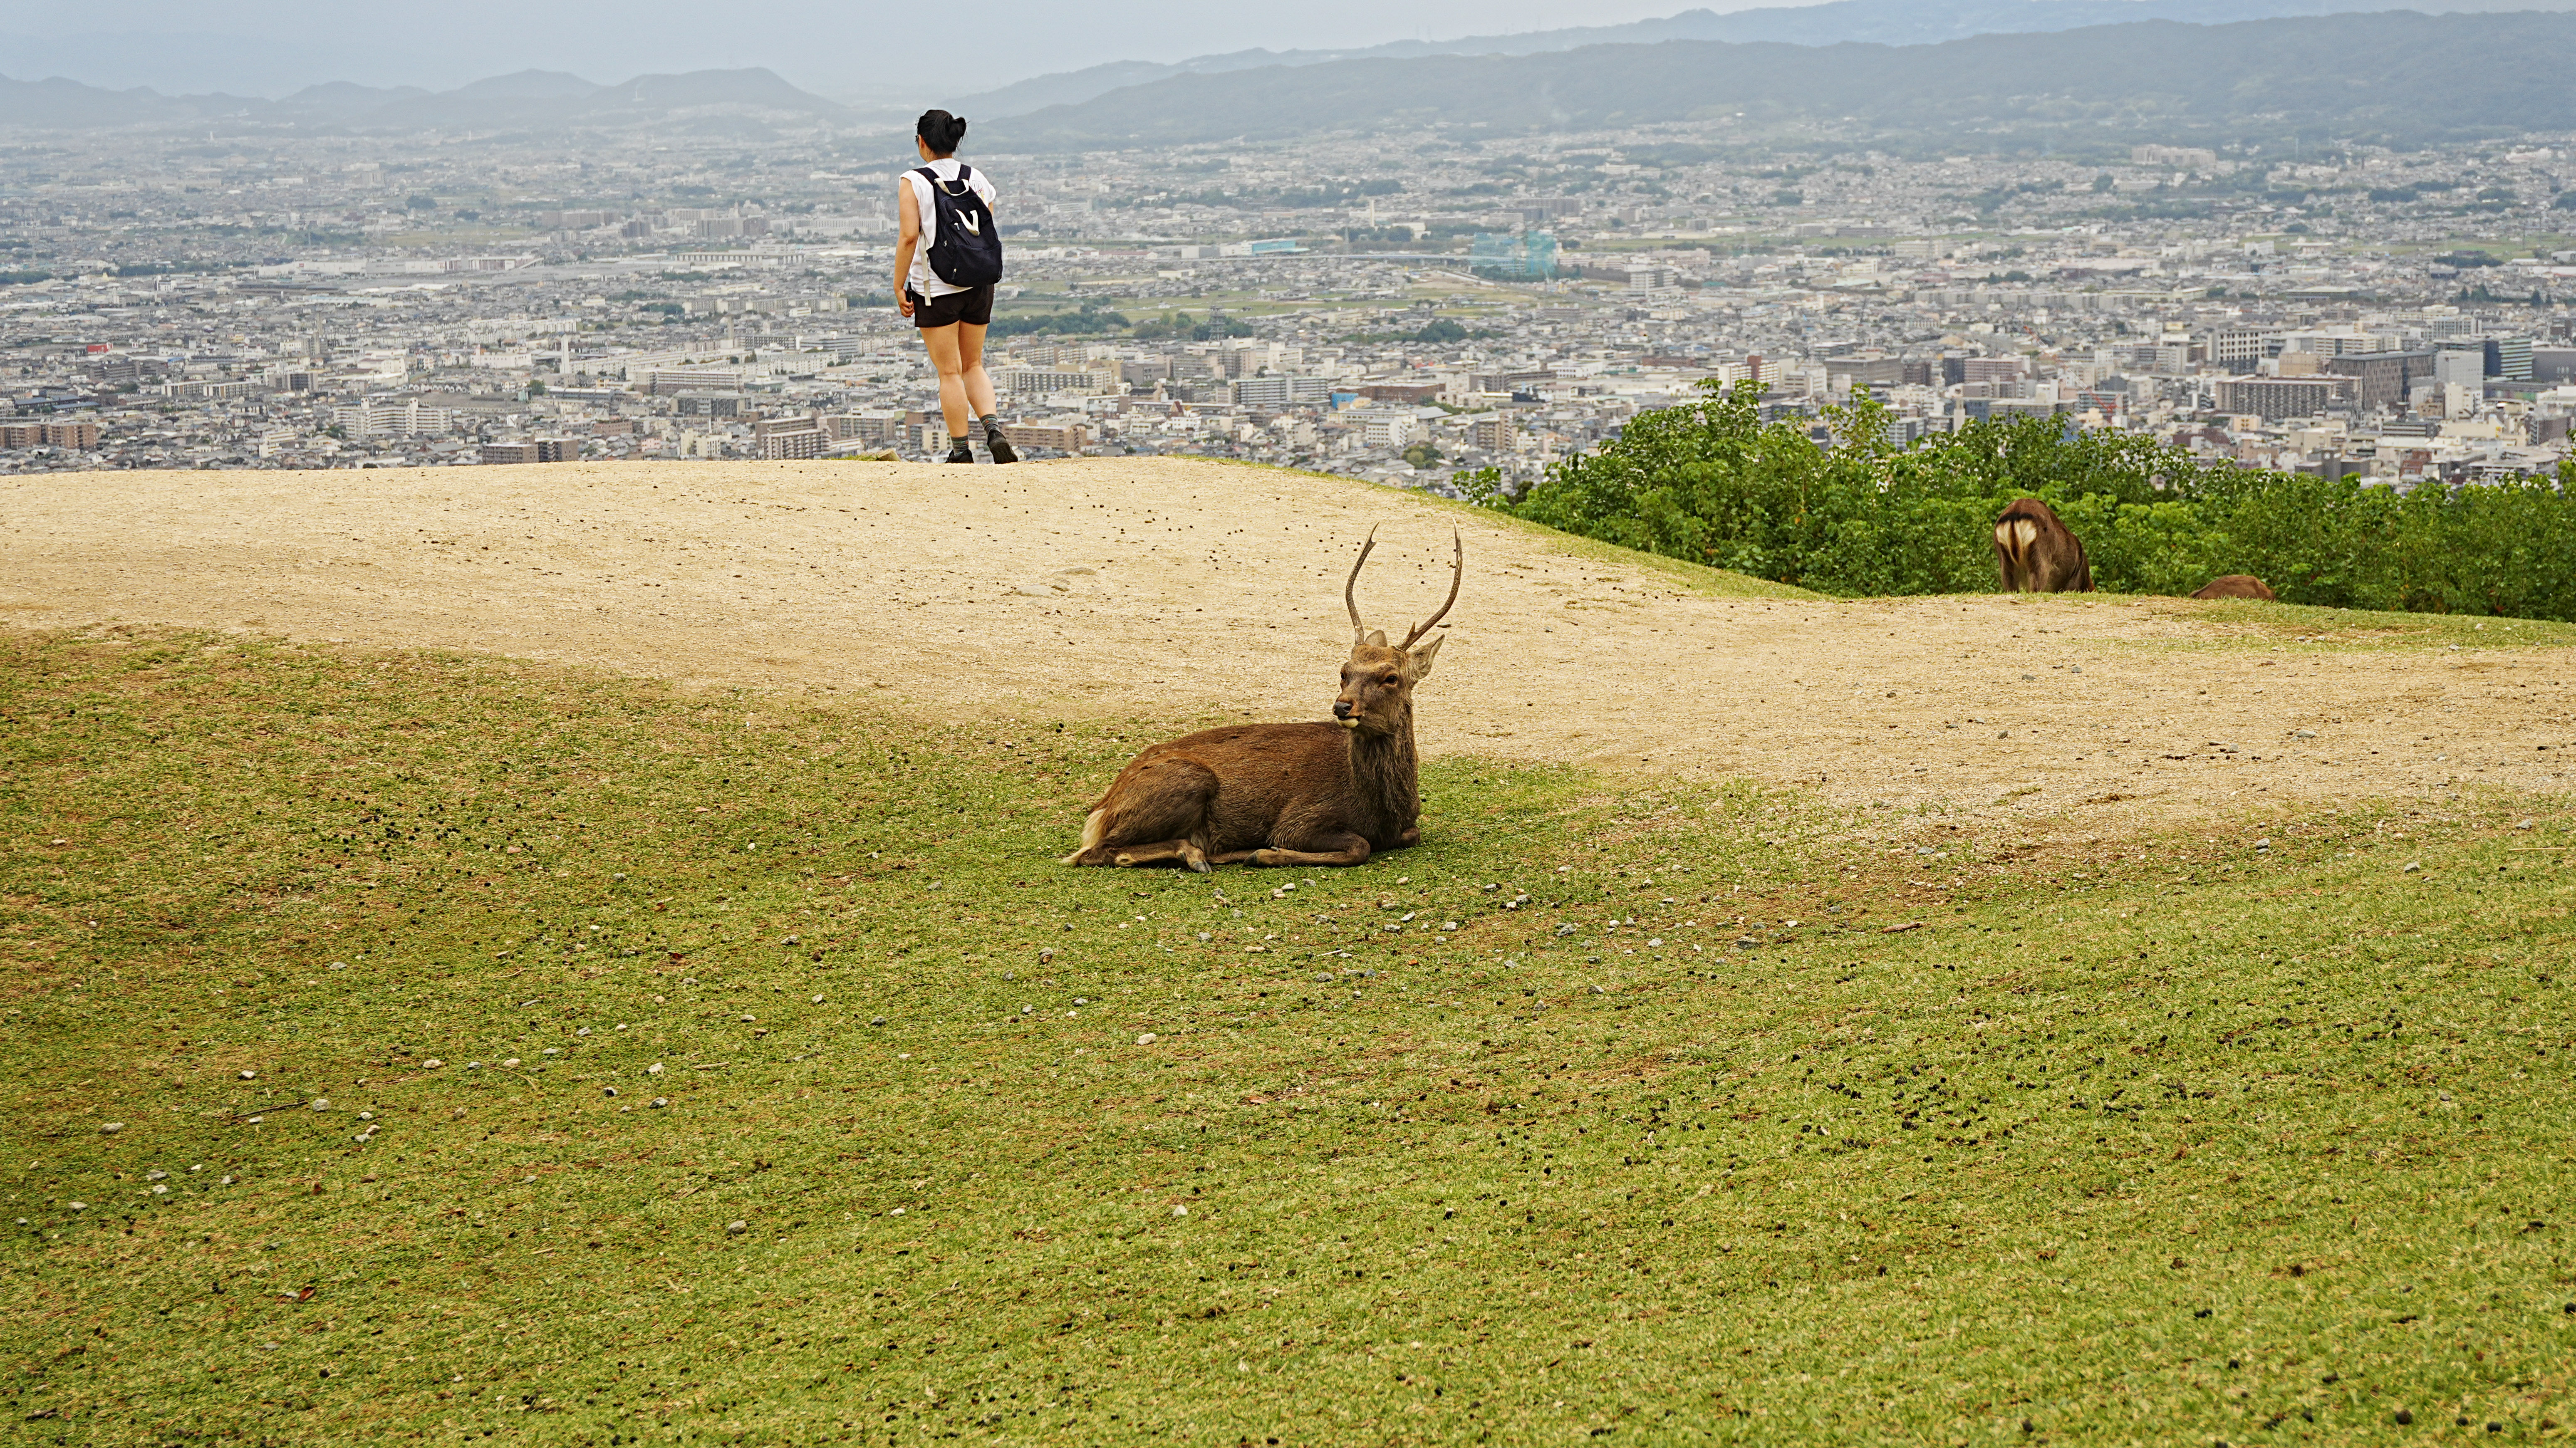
1836	22
2398	76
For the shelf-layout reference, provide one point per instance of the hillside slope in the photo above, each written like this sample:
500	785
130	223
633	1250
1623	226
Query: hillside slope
1167	589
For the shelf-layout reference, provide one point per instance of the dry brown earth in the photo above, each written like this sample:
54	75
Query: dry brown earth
1166	590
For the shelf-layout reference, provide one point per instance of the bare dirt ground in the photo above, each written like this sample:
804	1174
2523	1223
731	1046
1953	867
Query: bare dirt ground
1164	590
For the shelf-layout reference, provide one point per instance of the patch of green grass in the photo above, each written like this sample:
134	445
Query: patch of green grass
2151	1142
2236	623
2270	623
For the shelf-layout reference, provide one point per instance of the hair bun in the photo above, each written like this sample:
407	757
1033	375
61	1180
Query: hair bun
940	131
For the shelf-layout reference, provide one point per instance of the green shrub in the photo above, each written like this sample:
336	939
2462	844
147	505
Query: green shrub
1711	482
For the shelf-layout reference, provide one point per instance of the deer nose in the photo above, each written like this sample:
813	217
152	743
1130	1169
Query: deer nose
1342	708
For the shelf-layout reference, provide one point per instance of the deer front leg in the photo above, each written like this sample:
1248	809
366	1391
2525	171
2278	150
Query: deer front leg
1338	848
1161	852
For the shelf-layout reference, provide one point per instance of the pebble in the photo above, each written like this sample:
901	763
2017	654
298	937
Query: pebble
473	1065
1180	1211
737	1226
818	1000
2411	867
250	1075
321	1103
1146	1039
653	1070
661	1101
513	1061
432	1064
608	1090
78	1206
880	1020
111	1128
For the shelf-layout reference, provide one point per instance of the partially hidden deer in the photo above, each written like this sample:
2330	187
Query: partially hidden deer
1315	793
2235	585
2038	554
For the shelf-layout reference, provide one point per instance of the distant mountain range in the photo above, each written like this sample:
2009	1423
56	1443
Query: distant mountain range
1879	22
1954	72
529	100
2398	76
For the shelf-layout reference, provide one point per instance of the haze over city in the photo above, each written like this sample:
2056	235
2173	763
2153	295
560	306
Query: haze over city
833	49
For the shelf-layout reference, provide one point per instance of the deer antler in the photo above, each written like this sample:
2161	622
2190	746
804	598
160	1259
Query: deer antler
1457	575
1359	630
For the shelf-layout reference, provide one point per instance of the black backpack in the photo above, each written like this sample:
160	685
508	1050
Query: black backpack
966	249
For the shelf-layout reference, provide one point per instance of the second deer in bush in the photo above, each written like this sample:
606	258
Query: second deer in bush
2036	553
1284	794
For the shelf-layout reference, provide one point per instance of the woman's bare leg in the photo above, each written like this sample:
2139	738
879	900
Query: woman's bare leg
953	385
970	365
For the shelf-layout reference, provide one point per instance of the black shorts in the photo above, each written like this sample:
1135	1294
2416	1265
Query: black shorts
971	306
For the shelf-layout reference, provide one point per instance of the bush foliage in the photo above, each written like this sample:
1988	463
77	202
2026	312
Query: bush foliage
1711	482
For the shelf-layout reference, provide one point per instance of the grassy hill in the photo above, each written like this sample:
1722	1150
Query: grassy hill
414	1047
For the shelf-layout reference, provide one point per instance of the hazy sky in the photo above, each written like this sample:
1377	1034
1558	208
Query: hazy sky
833	47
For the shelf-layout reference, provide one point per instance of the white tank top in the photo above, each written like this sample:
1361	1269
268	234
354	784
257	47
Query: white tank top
921	279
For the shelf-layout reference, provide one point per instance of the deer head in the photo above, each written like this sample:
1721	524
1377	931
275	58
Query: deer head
1378	678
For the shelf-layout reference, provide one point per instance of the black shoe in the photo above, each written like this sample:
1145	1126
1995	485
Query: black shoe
960	451
1001	446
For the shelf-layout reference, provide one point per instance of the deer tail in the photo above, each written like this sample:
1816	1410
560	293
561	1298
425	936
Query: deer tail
1095	825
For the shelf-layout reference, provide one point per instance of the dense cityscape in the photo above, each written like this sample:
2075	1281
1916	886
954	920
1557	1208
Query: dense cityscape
269	299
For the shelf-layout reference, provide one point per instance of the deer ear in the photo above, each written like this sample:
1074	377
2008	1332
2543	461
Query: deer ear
1376	638
1423	656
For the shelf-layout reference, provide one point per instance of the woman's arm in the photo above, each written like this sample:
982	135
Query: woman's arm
908	209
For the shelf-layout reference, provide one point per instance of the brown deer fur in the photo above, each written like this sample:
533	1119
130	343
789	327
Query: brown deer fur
1283	794
2037	554
2235	585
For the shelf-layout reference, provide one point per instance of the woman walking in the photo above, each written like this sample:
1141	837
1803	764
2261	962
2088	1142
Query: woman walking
946	261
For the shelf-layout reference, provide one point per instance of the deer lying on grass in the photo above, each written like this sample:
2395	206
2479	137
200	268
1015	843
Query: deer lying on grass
2235	585
1284	794
2037	554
